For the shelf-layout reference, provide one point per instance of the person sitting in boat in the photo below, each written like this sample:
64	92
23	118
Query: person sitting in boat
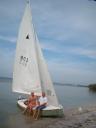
42	103
31	103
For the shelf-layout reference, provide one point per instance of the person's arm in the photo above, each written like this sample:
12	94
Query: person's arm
44	104
46	101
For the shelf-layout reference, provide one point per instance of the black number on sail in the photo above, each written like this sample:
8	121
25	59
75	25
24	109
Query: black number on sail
23	60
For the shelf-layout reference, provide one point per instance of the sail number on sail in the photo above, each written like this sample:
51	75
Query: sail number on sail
23	60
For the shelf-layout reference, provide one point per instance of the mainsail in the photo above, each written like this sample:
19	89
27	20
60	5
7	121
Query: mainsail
30	70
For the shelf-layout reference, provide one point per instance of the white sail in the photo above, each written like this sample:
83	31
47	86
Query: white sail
30	70
46	82
26	76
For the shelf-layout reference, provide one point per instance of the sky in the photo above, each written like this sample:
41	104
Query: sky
67	33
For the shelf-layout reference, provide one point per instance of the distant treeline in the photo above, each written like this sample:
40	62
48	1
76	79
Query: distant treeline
73	85
92	87
5	79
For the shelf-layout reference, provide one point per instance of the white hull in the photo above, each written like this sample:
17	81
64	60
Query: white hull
48	111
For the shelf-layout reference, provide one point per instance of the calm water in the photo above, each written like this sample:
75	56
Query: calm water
12	117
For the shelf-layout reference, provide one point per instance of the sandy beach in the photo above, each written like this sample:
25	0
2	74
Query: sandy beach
73	118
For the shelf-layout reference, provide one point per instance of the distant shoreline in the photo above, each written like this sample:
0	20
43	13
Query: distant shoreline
5	79
2	79
72	85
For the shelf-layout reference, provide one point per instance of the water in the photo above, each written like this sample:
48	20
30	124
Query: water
11	116
71	96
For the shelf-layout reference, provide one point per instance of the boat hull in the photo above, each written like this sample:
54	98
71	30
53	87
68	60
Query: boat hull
49	111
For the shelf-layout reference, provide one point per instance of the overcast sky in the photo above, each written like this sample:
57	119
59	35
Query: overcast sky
67	33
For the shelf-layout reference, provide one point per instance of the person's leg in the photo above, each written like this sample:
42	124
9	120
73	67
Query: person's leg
38	114
30	110
35	112
39	111
26	110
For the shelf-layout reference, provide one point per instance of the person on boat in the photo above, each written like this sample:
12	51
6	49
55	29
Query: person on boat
31	103
42	103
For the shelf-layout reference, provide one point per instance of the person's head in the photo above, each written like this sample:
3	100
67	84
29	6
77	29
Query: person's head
43	94
32	93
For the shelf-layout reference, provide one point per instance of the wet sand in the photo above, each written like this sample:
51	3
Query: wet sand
77	118
73	118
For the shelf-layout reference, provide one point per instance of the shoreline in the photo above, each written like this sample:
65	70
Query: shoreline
82	117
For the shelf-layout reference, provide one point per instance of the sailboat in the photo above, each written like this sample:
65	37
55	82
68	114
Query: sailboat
30	69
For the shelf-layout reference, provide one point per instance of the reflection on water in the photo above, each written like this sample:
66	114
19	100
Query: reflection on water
11	116
93	92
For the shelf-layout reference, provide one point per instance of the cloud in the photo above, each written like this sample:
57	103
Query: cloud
9	39
65	17
84	52
69	72
75	50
